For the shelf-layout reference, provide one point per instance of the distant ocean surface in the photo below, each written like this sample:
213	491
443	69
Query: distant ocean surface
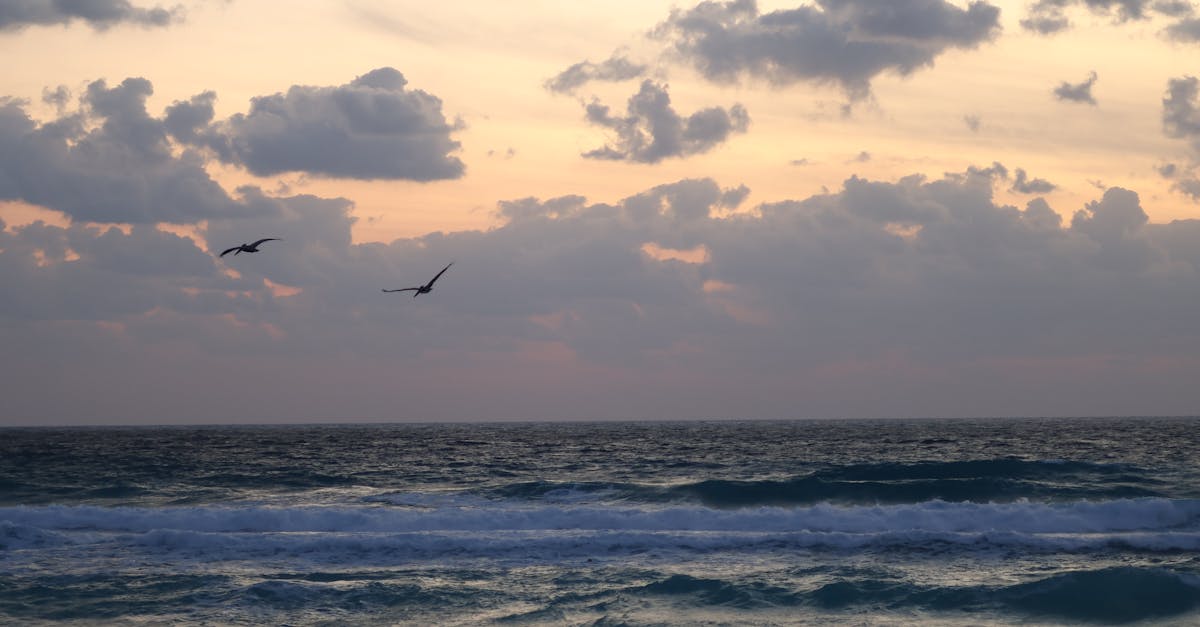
982	522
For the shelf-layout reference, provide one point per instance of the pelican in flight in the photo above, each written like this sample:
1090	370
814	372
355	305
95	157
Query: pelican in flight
424	289
248	248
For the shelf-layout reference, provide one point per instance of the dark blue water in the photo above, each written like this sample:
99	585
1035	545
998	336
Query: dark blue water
756	523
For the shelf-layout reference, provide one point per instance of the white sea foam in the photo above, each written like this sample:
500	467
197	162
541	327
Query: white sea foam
1144	514
1140	524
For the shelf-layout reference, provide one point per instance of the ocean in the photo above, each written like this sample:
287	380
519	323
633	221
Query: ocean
887	522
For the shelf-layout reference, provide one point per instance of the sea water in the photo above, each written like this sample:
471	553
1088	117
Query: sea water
889	522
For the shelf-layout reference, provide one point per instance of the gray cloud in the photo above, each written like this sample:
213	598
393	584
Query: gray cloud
1079	92
89	273
1173	8
1181	119
1185	30
99	14
615	68
1188	186
845	42
801	307
1050	16
370	128
110	161
973	122
652	131
1025	185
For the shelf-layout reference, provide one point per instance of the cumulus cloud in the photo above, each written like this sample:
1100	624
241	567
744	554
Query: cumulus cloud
615	68
912	285
1022	184
1078	92
973	122
844	42
99	14
652	131
370	128
109	161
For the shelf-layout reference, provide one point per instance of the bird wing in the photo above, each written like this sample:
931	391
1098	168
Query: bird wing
430	283
407	289
229	250
265	239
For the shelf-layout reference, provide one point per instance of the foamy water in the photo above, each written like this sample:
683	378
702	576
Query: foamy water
999	522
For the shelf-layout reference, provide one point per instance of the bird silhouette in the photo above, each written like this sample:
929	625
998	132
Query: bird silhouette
248	248
424	289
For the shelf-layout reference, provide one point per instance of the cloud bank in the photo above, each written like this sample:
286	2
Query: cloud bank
908	297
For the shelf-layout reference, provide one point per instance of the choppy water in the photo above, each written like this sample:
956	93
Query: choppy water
756	523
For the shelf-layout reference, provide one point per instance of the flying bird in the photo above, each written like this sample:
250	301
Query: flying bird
424	289
248	248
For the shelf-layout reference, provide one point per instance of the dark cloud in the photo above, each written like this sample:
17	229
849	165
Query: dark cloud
652	131
615	68
99	14
370	128
1025	185
1079	92
110	161
845	42
973	122
879	283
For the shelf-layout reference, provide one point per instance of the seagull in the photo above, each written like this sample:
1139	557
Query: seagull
424	289
248	248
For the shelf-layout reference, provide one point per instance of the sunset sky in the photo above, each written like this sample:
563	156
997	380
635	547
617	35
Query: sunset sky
655	210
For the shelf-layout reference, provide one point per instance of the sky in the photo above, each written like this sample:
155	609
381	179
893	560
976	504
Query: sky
655	210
